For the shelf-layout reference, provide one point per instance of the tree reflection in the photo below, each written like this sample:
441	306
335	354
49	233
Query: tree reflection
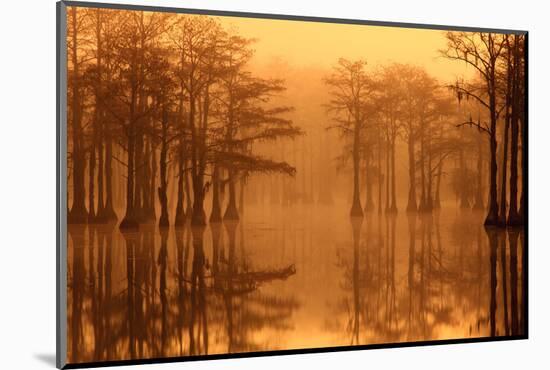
158	293
195	290
432	285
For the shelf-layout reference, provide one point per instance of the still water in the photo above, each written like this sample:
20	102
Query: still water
290	278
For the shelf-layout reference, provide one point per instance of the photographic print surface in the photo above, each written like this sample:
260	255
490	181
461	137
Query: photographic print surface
239	184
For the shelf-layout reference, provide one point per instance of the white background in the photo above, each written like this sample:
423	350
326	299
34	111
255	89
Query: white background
27	182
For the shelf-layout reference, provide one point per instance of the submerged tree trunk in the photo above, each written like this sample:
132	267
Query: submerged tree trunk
429	190
110	215
356	209
437	201
152	185
138	173
380	177
369	205
387	173
411	204
130	220
180	212
187	183
514	218
216	213
91	178
524	166
503	192
78	213
422	205
100	214
231	212
99	121
198	155
492	216
162	190
393	207
241	195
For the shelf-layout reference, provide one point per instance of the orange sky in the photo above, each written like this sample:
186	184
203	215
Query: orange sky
321	44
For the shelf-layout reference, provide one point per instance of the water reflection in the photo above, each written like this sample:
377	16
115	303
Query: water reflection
292	278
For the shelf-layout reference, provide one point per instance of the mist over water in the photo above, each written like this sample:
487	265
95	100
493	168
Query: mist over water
303	276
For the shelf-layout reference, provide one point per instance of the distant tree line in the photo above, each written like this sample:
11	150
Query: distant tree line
372	109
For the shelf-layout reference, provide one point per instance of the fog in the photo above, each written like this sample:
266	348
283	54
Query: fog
245	185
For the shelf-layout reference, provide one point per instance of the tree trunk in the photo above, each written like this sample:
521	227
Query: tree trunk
99	122
393	207
380	177
513	215
411	204
110	215
78	213
152	185
387	174
198	155
356	209
216	213
138	173
180	212
162	190
91	178
100	214
231	212
422	205
492	216
503	192
429	195
130	221
369	206
241	195
437	201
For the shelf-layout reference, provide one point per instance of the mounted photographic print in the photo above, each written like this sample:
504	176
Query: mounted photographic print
234	184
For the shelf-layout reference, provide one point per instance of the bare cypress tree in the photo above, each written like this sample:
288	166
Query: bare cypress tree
482	51
78	212
350	88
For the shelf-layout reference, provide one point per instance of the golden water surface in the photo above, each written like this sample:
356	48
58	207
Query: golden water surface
290	278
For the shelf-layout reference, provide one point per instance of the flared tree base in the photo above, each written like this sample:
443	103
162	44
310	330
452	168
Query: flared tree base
492	219
369	207
392	210
231	213
216	215
411	207
129	223
515	219
356	210
164	221
180	218
77	216
198	218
